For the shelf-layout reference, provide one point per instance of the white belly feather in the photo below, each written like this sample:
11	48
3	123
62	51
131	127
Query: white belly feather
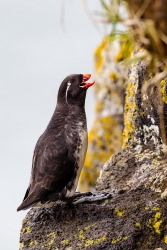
80	154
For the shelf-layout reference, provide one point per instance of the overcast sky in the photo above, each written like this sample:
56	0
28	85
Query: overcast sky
36	54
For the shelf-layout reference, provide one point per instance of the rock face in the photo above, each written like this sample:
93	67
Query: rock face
143	160
133	220
105	137
136	216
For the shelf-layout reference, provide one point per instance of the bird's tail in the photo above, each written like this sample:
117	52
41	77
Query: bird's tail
28	202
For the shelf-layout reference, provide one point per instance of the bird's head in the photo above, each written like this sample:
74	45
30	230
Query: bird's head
73	89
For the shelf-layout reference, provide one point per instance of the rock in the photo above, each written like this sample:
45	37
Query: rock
136	219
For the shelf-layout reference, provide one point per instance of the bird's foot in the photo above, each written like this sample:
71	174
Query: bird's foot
93	198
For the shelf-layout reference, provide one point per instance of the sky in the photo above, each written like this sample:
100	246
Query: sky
37	51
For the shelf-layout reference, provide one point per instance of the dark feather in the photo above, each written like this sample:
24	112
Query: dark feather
54	162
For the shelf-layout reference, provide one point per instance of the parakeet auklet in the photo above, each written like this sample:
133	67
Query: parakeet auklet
60	151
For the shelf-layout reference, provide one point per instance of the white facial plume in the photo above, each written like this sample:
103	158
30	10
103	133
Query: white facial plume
68	86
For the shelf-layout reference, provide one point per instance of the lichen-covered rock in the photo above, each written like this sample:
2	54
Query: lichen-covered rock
143	161
105	137
133	220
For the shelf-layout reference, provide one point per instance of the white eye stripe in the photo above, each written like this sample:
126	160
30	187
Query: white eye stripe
68	86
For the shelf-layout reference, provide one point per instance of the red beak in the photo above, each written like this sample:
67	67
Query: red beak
85	84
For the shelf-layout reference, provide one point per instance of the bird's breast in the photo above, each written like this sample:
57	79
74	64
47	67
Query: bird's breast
79	155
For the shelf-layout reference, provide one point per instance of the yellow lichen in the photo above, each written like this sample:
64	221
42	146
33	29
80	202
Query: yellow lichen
125	52
27	230
88	243
163	85
165	239
100	239
156	226
81	235
33	243
94	242
105	201
156	208
65	242
86	228
113	76
115	241
155	223
129	114
118	212
99	53
52	237
137	224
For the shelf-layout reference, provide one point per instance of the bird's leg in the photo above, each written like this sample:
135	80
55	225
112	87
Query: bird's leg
75	196
93	198
79	194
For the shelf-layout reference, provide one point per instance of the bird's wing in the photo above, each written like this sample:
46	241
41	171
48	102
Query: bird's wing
52	168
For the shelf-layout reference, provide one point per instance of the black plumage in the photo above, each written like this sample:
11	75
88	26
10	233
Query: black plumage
60	151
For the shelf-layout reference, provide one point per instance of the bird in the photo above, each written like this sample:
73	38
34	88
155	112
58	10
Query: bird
60	151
